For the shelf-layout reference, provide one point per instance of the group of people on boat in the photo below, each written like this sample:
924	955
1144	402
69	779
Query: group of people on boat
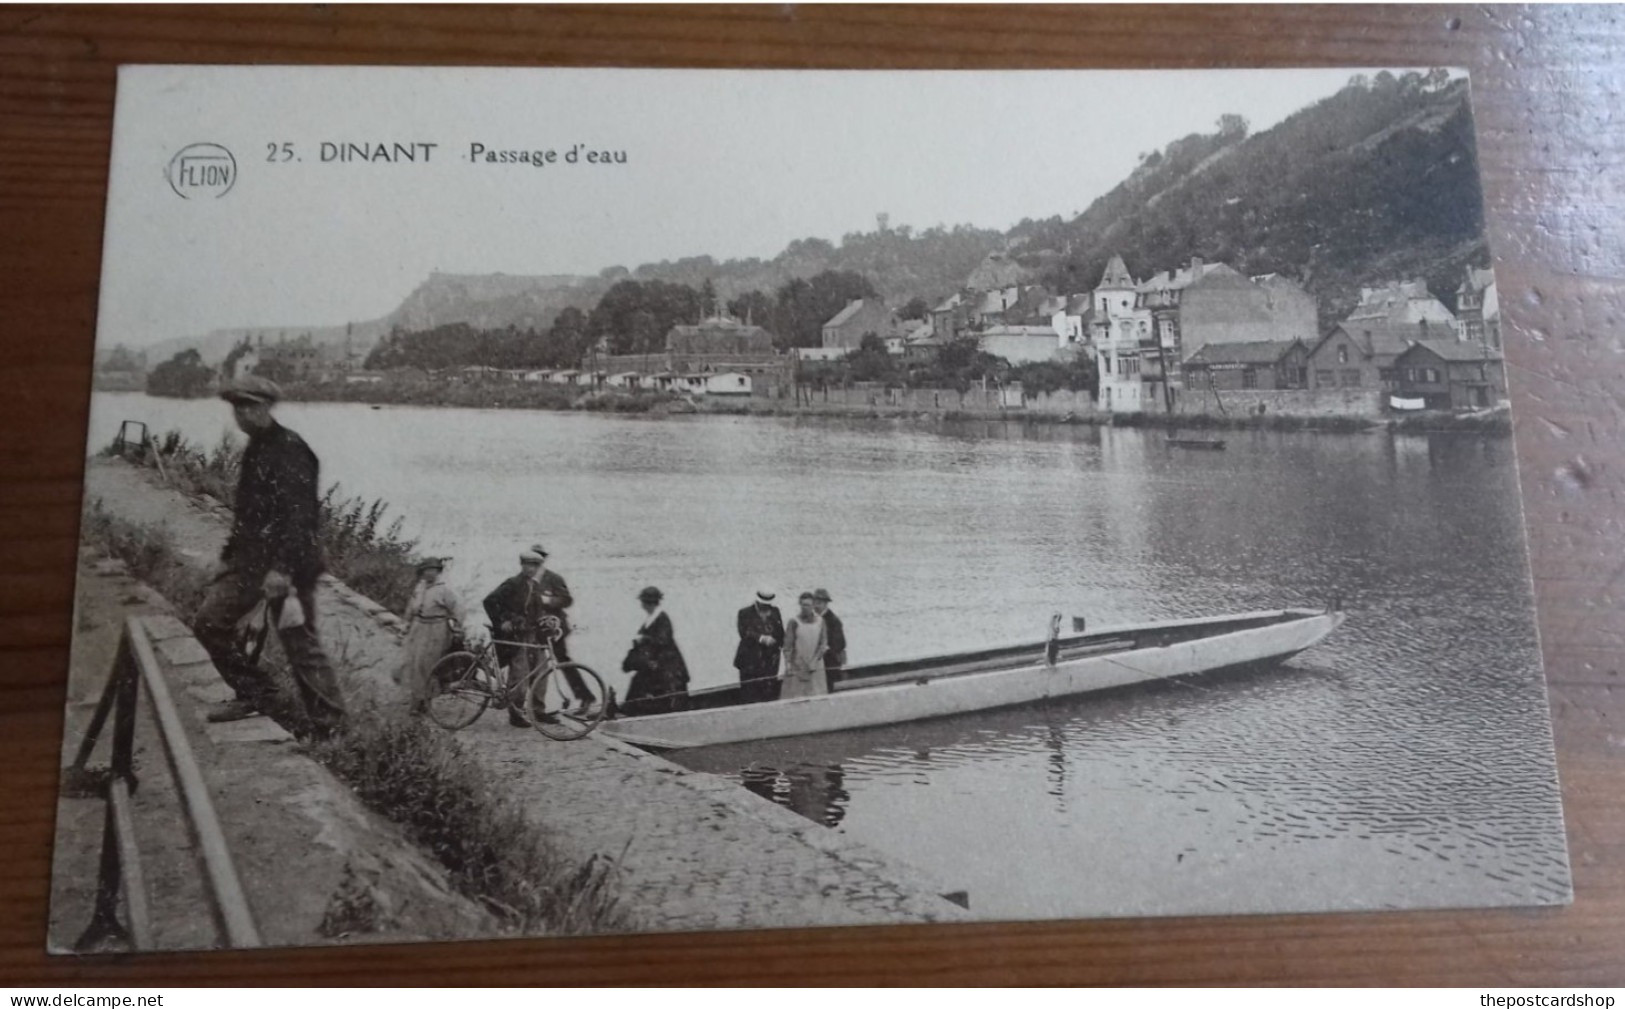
775	657
811	646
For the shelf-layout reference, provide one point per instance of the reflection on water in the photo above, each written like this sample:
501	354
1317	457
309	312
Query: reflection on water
1404	763
813	790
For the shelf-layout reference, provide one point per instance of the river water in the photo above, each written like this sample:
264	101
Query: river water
1405	762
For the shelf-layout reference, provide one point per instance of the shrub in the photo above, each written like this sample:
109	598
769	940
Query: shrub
361	550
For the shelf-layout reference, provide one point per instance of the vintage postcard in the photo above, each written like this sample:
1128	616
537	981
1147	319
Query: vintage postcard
553	502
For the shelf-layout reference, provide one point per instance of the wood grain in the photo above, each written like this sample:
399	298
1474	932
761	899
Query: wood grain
1545	82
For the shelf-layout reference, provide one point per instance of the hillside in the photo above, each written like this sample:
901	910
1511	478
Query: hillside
900	262
1375	183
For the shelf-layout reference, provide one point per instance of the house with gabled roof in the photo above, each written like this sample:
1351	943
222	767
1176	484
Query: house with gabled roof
861	316
1360	351
1362	358
1258	364
1450	374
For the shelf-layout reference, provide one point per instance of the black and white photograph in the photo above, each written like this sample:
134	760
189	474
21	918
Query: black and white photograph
533	502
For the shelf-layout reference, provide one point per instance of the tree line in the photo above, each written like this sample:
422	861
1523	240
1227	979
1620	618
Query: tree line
632	317
960	364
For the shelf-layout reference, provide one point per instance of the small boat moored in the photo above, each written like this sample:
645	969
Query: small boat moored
935	687
1209	444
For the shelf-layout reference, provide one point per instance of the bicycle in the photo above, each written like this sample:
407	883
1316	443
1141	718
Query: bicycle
467	682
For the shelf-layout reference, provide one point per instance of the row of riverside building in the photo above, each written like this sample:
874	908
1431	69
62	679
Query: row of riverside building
1206	329
1181	339
1192	333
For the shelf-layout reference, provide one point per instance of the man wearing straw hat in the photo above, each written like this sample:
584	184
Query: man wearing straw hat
761	637
273	549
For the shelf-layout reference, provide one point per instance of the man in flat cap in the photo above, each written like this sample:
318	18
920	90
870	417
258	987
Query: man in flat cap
273	549
516	607
835	657
761	638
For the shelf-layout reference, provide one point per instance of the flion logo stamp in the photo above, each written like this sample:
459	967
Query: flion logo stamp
199	171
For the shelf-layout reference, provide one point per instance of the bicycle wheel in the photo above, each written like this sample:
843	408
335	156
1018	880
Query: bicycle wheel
554	708
462	691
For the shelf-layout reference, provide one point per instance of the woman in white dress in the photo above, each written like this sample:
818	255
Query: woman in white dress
432	617
804	645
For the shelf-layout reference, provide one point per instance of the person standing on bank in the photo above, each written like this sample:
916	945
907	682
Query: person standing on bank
515	608
761	636
835	658
659	674
433	616
273	548
804	646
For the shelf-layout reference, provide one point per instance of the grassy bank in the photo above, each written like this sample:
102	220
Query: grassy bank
361	549
413	774
419	777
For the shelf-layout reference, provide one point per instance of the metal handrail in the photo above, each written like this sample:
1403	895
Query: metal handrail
121	873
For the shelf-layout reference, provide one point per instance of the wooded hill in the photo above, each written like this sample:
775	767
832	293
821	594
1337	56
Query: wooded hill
1375	183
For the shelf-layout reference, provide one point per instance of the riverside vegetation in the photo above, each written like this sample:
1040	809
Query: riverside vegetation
407	771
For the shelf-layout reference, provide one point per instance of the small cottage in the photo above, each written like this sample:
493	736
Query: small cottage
1450	375
1259	364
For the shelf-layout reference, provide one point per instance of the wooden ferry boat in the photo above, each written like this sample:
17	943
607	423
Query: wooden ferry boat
914	689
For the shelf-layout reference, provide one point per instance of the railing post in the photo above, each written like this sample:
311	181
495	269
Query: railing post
104	924
129	686
77	782
120	696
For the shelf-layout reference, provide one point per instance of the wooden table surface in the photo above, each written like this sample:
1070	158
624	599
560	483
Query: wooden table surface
1545	84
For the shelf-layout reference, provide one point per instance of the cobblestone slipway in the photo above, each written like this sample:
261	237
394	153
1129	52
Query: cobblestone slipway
694	851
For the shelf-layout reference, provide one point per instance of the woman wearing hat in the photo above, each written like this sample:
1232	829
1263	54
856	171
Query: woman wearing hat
433	616
659	674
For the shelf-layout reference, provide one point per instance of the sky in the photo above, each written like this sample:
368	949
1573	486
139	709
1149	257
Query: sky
730	164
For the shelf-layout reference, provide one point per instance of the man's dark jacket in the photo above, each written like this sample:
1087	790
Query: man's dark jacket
520	599
277	515
753	659
835	637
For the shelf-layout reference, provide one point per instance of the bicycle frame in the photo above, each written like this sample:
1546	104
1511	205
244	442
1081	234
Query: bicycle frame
550	660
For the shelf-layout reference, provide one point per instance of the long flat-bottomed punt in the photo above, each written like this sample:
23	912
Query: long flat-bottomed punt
914	689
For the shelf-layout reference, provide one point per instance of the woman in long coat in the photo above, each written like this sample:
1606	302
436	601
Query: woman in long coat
659	674
432	617
805	643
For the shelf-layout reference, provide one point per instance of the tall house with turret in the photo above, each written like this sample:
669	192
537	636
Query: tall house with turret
1478	309
1118	328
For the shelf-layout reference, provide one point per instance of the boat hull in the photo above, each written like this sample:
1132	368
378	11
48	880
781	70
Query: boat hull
913	697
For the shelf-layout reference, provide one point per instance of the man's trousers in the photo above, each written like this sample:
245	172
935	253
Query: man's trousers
232	594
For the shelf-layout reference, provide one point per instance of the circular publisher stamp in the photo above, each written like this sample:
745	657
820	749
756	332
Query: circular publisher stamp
201	171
